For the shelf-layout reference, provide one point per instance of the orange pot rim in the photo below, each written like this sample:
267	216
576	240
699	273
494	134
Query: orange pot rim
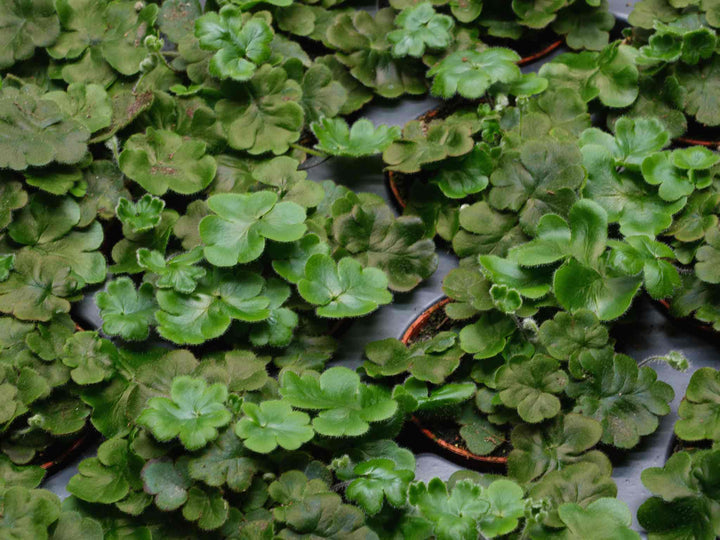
698	142
411	332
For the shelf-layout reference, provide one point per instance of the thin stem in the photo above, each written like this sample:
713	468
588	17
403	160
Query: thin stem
307	150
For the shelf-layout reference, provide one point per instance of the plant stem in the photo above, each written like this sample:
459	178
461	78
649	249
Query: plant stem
307	150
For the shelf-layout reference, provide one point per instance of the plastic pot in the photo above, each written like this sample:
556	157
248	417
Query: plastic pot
412	332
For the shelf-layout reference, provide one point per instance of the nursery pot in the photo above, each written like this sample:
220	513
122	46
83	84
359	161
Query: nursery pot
410	335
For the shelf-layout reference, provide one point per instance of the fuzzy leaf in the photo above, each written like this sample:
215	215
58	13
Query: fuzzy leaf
530	386
454	513
263	115
237	231
346	406
142	215
192	413
541	179
104	479
207	312
159	160
28	513
37	132
91	357
472	73
240	46
540	449
700	410
168	482
271	424
178	272
431	360
343	289
336	138
126	312
377	480
420	27
625	399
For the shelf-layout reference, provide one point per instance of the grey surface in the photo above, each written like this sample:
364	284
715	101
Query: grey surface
646	332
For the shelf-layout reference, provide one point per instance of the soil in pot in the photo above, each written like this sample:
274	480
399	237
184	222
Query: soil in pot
443	431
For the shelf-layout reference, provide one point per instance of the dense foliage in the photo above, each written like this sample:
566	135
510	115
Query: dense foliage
154	159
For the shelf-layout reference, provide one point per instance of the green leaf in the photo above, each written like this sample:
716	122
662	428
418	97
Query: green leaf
343	289
472	73
428	143
168	482
465	176
323	97
12	197
207	507
657	169
700	410
414	395
377	480
578	287
487	336
430	360
239	45
289	259
7	263
73	525
193	412
13	475
346	406
224	461
530	283
25	27
37	289
159	160
608	515
176	18
540	449
28	513
687	501
362	41
454	513
506	508
585	27
542	178
530	385
142	215
336	138
37	132
625	399
88	104
104	479
653	259
178	272
91	358
237	230
126	312
694	158
398	246
271	424
207	312
579	483
700	95
567	335
262	115
420	27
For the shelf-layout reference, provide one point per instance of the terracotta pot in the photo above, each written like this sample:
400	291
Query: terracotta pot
698	142
408	336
